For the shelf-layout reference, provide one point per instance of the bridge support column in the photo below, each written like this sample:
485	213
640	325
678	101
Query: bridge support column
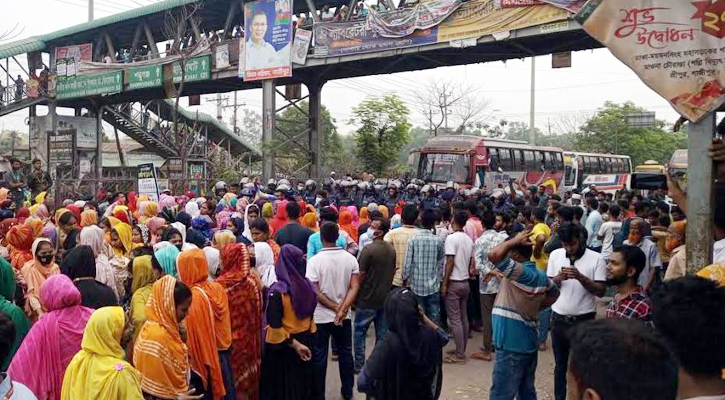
316	129
268	128
99	149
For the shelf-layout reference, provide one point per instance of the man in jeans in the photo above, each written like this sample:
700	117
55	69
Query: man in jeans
490	280
523	292
421	272
455	289
335	274
580	274
377	267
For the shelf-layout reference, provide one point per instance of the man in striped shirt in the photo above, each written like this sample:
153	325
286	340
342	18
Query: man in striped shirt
523	292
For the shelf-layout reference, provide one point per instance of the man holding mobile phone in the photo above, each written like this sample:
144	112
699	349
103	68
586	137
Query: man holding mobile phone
580	274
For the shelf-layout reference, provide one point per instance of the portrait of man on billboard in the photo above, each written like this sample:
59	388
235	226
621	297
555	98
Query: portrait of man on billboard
267	48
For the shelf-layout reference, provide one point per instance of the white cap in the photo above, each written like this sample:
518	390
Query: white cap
576	196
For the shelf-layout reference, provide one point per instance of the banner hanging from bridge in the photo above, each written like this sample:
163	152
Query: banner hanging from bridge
267	51
676	47
404	21
472	19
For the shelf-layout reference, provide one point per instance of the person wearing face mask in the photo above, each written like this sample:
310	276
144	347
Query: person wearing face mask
675	244
35	272
580	274
631	301
653	267
377	268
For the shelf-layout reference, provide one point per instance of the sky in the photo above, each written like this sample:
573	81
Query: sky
569	93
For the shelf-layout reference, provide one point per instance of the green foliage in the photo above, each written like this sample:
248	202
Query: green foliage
520	131
384	130
608	132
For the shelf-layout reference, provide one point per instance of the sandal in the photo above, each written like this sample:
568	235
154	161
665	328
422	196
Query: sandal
482	355
454	360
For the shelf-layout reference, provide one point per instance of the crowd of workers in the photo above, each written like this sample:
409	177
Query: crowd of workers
241	293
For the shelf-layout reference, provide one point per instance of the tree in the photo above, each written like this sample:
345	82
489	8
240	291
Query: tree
294	123
451	108
609	132
517	130
384	130
251	127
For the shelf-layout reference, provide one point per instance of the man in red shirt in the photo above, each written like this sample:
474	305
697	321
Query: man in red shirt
630	301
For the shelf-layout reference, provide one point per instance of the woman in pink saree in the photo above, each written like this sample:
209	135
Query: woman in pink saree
54	339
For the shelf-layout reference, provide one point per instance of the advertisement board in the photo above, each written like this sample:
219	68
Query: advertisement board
267	51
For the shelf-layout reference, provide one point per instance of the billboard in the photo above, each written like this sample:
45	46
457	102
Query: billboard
267	49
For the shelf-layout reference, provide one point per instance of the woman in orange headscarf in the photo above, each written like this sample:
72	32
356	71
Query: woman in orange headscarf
35	272
208	327
280	218
20	238
310	221
89	217
347	226
159	352
245	304
364	216
150	210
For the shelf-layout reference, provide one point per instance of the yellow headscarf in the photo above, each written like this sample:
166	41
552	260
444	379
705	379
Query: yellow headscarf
113	221
714	272
98	370
267	210
124	233
224	237
40	198
143	273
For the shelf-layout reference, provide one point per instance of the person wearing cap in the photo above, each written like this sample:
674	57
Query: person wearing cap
310	192
411	195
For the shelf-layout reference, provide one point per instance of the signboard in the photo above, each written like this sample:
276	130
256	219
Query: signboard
163	184
144	77
147	182
197	69
301	46
60	67
561	60
60	146
89	85
79	52
269	34
676	47
472	19
222	56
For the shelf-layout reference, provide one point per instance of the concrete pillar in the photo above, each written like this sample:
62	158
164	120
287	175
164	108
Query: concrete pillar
268	112
99	148
699	195
316	129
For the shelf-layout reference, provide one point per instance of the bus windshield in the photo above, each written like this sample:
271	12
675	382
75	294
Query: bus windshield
569	175
444	168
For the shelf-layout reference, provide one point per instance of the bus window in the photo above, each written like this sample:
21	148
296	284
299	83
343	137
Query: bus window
619	166
493	162
569	175
627	166
519	160
587	164
559	161
540	161
505	159
529	160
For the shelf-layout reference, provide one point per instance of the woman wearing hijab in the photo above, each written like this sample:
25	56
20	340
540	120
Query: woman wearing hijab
145	272
53	340
203	224
236	226
364	219
267	211
213	261
167	259
286	372
22	214
140	236
260	233
15	313
155	224
80	266
280	218
151	210
192	208
347	226
122	246
35	272
222	218
98	370
250	213
88	218
309	221
263	260
20	237
245	305
407	363
93	236
208	328
159	352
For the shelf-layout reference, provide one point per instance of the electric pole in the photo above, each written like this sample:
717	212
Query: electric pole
532	117
90	10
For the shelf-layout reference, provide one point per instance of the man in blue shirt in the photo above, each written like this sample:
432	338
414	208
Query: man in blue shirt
314	243
523	292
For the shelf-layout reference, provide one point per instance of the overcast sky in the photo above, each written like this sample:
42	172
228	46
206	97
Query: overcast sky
595	77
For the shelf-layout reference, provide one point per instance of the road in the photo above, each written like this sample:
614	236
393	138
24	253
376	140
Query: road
469	381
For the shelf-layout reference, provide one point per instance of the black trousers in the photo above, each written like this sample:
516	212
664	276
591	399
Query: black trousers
561	325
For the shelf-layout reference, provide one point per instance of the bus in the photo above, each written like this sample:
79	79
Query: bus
608	172
477	161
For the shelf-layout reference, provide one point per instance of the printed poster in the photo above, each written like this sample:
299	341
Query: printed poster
222	56
301	46
147	182
267	50
676	47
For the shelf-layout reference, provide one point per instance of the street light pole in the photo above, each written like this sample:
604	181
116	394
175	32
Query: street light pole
90	10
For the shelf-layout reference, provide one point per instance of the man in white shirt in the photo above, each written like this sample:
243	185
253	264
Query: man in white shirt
455	288
336	275
718	249
580	274
609	230
593	224
258	53
653	267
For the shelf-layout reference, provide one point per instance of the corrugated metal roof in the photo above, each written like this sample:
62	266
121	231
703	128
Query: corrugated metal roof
21	47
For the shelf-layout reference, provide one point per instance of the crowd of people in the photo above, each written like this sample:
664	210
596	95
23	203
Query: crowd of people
241	294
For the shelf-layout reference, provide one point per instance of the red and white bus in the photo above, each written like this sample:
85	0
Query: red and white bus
476	161
608	172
